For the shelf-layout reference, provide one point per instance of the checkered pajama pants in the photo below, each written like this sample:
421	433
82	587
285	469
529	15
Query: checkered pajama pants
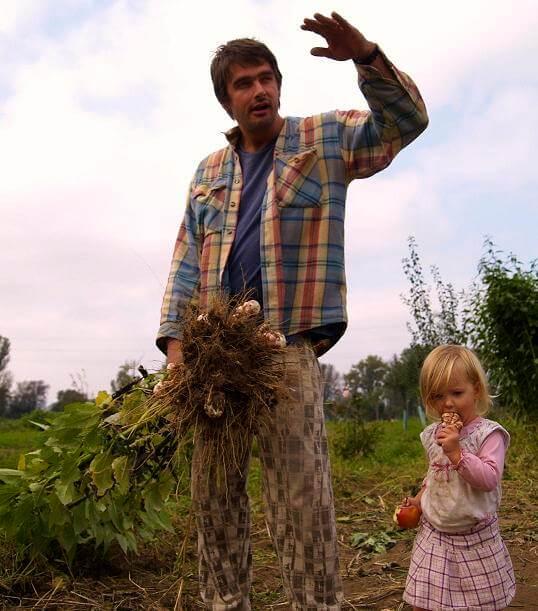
298	502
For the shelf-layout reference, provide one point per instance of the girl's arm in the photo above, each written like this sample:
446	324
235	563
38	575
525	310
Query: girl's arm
415	500
484	470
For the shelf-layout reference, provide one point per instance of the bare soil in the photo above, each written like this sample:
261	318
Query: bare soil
378	582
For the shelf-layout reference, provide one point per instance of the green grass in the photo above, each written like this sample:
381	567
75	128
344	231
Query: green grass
17	437
393	470
397	447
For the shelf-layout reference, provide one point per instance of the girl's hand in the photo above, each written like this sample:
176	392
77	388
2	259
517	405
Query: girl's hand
407	515
412	501
448	437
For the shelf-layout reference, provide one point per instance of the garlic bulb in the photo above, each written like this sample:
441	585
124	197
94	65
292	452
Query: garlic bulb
276	338
214	405
248	308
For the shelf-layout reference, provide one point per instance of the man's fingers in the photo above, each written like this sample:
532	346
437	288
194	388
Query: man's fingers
321	52
340	20
326	21
314	26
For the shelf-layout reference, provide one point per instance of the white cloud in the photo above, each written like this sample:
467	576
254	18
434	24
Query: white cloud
493	144
14	13
376	325
383	210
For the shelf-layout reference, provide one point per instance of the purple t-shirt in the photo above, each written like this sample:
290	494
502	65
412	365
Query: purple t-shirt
244	263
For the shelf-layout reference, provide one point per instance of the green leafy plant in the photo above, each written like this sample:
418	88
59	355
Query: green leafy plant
504	327
498	317
353	437
440	321
371	544
106	470
95	479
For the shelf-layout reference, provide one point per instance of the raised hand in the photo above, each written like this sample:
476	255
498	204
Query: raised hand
448	437
344	41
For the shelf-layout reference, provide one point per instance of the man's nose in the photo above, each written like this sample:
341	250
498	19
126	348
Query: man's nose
259	89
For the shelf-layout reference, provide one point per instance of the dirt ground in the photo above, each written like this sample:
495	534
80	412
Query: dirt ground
378	582
164	576
146	583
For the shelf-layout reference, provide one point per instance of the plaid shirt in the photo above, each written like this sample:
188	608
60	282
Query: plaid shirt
302	218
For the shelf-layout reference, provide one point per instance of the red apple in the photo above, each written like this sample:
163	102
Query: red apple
407	516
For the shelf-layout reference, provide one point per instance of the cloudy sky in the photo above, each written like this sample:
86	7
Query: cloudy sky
106	107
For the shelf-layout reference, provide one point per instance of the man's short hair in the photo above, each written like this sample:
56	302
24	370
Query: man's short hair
242	51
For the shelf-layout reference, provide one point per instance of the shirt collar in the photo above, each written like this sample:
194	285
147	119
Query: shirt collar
233	136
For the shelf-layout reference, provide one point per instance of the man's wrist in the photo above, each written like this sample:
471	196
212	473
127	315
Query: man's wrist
173	350
367	57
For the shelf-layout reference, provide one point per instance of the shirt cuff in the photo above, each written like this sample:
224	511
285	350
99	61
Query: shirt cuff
168	330
462	460
367	72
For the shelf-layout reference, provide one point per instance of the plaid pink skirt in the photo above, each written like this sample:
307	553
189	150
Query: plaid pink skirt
470	571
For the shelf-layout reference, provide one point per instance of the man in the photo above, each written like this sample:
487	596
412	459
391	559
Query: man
267	212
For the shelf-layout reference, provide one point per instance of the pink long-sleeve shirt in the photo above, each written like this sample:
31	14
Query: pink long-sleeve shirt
485	469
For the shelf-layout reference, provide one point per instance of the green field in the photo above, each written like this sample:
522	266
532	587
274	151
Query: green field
16	438
367	488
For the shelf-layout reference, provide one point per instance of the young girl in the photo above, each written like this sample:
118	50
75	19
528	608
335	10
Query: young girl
459	560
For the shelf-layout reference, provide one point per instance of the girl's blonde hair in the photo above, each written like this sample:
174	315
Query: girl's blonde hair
437	371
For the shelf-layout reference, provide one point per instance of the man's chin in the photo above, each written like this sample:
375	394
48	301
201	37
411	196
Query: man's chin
262	123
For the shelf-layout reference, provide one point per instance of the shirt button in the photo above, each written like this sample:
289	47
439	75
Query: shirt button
230	231
232	204
237	181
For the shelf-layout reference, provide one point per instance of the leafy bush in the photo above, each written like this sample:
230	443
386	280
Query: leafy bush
396	446
504	327
498	317
93	481
352	438
444	322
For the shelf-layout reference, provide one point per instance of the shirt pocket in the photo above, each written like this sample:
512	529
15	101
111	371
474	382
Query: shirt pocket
208	200
297	181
